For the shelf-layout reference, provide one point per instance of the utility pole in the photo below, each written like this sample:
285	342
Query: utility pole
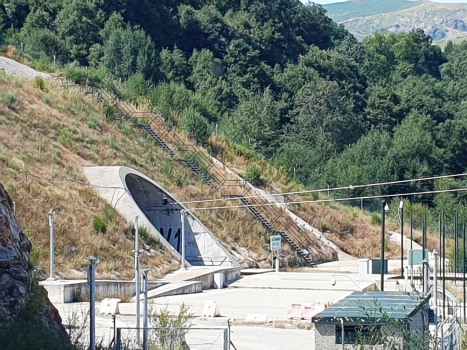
92	302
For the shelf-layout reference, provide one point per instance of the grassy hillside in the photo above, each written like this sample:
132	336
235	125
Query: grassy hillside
442	22
361	8
53	133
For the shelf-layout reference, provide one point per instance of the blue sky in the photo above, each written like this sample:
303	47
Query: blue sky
324	2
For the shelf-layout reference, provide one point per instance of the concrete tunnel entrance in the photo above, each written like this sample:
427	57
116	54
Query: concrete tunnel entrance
163	211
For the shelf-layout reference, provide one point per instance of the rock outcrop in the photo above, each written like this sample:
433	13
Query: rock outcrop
20	294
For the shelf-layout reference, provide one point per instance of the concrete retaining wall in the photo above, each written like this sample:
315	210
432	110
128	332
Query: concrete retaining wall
131	193
71	291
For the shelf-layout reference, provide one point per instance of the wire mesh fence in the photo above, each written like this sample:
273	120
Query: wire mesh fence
253	338
173	338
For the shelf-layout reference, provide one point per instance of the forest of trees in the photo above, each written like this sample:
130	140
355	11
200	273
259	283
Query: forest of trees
275	76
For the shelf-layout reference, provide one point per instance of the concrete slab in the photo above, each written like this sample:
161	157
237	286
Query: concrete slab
174	288
204	274
306	281
351	266
247	272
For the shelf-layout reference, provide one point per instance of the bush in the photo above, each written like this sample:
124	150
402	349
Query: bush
143	233
322	225
39	83
7	98
108	112
99	225
92	77
197	128
253	174
376	219
109	213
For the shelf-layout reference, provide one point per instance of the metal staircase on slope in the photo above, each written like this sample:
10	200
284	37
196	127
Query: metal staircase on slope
158	139
266	224
202	175
159	132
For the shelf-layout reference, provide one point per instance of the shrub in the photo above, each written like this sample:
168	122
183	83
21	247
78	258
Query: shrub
109	213
7	98
143	232
10	186
322	225
99	225
253	174
196	126
39	83
376	219
108	111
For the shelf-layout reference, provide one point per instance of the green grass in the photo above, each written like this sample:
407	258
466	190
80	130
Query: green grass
346	10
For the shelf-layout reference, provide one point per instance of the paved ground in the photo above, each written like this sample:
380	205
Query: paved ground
268	294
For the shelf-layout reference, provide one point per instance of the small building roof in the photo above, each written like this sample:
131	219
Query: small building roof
373	308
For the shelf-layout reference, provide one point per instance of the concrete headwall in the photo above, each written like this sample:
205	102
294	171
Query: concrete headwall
75	290
132	193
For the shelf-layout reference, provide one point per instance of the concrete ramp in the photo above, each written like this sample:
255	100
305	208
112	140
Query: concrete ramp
174	288
132	193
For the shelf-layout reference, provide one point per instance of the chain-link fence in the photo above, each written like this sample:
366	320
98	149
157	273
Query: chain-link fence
254	338
173	338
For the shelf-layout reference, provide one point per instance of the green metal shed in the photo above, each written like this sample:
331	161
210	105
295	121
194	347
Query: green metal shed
356	318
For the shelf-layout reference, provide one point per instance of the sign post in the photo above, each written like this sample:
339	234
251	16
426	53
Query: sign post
276	244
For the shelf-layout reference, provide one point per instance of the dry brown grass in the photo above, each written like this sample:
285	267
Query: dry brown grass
52	135
350	228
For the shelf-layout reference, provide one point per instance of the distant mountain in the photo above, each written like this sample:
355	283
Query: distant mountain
351	9
443	22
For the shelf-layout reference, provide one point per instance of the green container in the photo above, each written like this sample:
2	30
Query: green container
416	256
376	266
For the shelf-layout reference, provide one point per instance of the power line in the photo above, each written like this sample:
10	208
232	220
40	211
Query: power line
350	187
335	200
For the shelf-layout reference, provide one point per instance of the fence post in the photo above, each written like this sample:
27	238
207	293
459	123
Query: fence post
172	338
226	339
145	317
118	344
92	302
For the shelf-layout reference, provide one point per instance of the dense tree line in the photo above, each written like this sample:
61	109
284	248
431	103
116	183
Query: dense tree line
276	76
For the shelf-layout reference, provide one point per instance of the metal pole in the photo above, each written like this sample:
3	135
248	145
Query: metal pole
119	339
463	268
435	278
424	237
411	250
444	267
401	206
456	245
183	212
425	276
277	261
145	312
52	245
92	302
137	281
343	335
383	233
